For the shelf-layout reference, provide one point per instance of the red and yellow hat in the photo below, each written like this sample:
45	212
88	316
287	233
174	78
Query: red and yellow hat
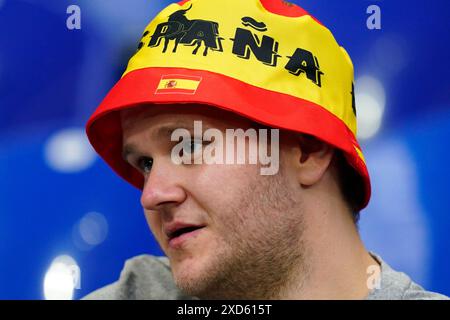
267	60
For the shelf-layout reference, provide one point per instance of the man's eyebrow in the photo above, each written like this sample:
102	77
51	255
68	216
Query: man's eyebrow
163	131
166	131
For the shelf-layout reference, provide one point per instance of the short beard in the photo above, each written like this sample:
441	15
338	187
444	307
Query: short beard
264	255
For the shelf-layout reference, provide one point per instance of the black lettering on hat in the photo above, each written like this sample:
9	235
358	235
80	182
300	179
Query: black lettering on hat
141	43
250	22
187	32
353	99
303	61
167	31
246	42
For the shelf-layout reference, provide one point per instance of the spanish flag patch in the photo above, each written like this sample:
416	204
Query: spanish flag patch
178	83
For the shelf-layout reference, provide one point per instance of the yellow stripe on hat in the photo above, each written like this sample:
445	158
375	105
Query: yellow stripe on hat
231	51
360	154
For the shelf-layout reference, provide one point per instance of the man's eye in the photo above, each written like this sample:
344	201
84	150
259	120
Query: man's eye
145	164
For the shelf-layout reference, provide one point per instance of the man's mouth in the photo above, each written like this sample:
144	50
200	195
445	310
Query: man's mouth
181	231
181	234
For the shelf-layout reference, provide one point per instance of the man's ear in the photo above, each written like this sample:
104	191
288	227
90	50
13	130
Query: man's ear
315	158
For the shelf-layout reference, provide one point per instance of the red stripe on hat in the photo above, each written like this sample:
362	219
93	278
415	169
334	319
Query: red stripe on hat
285	8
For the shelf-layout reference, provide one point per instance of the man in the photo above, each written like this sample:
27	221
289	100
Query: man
209	72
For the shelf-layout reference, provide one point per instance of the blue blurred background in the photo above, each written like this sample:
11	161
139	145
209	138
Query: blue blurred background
60	205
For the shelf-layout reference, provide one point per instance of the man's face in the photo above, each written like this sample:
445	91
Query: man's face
248	226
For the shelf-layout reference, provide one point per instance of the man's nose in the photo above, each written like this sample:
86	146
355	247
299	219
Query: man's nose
162	189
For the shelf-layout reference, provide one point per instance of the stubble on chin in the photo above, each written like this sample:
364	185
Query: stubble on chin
257	249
